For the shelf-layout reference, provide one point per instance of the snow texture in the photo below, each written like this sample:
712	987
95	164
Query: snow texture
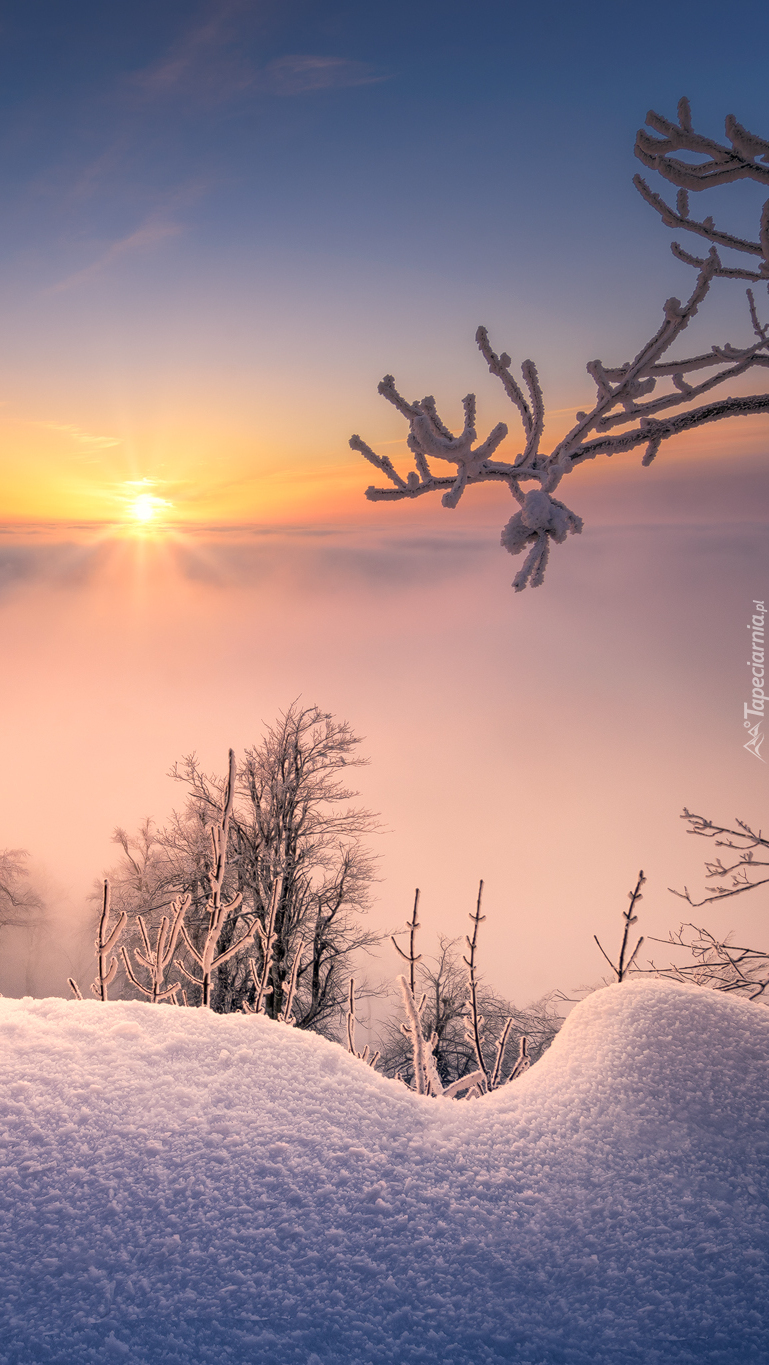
181	1186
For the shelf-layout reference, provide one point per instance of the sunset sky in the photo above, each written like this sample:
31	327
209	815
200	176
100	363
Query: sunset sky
222	224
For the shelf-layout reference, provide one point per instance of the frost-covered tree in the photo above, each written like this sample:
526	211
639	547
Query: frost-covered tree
640	403
296	857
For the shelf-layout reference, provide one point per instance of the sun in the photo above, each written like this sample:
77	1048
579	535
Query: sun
145	507
140	506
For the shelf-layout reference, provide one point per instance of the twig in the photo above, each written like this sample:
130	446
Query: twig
622	968
411	957
475	1021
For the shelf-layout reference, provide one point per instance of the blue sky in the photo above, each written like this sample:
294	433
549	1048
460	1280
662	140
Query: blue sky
385	171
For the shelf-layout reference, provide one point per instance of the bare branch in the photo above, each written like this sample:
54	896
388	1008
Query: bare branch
718	964
622	966
411	956
744	841
476	1021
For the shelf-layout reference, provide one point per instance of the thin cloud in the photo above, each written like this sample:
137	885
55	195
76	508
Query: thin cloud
82	438
302	75
147	236
206	60
209	64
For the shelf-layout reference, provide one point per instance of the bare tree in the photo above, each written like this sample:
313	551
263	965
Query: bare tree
22	910
19	904
625	415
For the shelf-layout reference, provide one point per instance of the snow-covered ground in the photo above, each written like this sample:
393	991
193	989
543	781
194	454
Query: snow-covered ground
179	1186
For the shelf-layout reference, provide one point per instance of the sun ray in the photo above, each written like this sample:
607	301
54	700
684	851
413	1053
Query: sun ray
141	506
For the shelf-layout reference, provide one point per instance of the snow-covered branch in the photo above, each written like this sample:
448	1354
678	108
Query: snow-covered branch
157	960
426	1079
286	1015
267	938
624	415
106	939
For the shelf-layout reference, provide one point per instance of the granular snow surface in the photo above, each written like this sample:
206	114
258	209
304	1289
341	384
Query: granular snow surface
179	1186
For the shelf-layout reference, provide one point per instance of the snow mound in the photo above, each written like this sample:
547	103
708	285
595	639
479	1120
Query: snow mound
179	1186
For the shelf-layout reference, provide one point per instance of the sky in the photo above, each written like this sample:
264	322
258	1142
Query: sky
222	224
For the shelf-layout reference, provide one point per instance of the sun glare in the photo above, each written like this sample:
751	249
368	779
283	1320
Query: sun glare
145	507
140	506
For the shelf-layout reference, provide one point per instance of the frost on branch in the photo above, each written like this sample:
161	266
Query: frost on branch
106	939
540	520
157	960
638	404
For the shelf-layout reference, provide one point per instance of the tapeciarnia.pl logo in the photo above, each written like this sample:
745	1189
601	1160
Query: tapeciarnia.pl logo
755	707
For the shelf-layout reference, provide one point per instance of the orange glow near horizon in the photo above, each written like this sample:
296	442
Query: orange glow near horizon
182	474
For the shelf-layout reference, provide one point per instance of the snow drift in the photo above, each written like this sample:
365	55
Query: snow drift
179	1186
